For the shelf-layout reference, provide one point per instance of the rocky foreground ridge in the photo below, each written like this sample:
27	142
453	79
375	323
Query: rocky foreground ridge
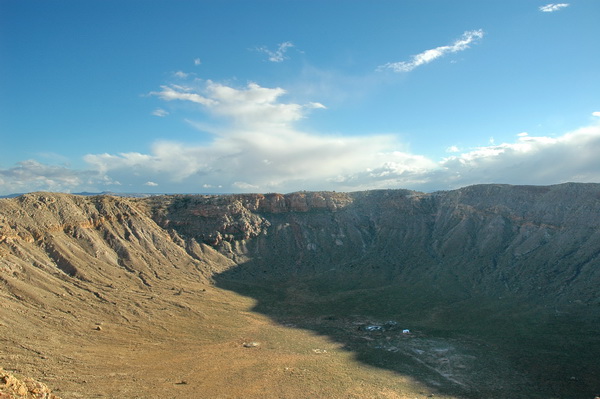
535	246
13	387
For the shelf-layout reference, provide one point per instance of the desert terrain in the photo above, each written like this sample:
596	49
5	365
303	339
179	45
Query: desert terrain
484	292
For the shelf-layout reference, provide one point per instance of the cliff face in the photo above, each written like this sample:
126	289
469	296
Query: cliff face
540	242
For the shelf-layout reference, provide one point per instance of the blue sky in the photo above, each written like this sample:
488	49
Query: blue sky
280	96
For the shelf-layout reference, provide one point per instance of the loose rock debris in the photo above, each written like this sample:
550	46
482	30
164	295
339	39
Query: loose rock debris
13	387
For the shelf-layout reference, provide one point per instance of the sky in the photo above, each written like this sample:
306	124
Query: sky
233	96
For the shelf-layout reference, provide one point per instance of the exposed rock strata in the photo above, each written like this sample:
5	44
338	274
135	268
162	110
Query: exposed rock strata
489	239
527	240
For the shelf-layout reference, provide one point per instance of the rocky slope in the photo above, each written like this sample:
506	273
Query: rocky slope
484	260
535	242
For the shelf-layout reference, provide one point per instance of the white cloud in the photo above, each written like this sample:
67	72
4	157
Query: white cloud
553	7
529	160
170	93
296	160
197	61
181	74
31	175
160	112
315	105
262	150
427	56
244	186
279	54
285	160
251	106
597	113
259	148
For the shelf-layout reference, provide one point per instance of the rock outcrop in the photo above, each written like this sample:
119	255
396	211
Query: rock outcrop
26	388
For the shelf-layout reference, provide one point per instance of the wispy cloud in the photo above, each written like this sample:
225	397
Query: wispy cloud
553	7
174	92
197	61
277	55
160	112
467	38
181	74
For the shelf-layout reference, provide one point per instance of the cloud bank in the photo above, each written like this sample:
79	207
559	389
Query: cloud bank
529	160
30	175
256	146
467	38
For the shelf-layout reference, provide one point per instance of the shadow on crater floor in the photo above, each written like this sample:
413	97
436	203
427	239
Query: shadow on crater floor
467	347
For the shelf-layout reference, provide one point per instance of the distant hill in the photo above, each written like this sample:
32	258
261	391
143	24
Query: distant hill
89	194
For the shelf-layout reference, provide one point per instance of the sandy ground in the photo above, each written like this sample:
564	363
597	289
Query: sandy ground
194	342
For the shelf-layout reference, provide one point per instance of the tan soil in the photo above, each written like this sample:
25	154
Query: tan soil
188	344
